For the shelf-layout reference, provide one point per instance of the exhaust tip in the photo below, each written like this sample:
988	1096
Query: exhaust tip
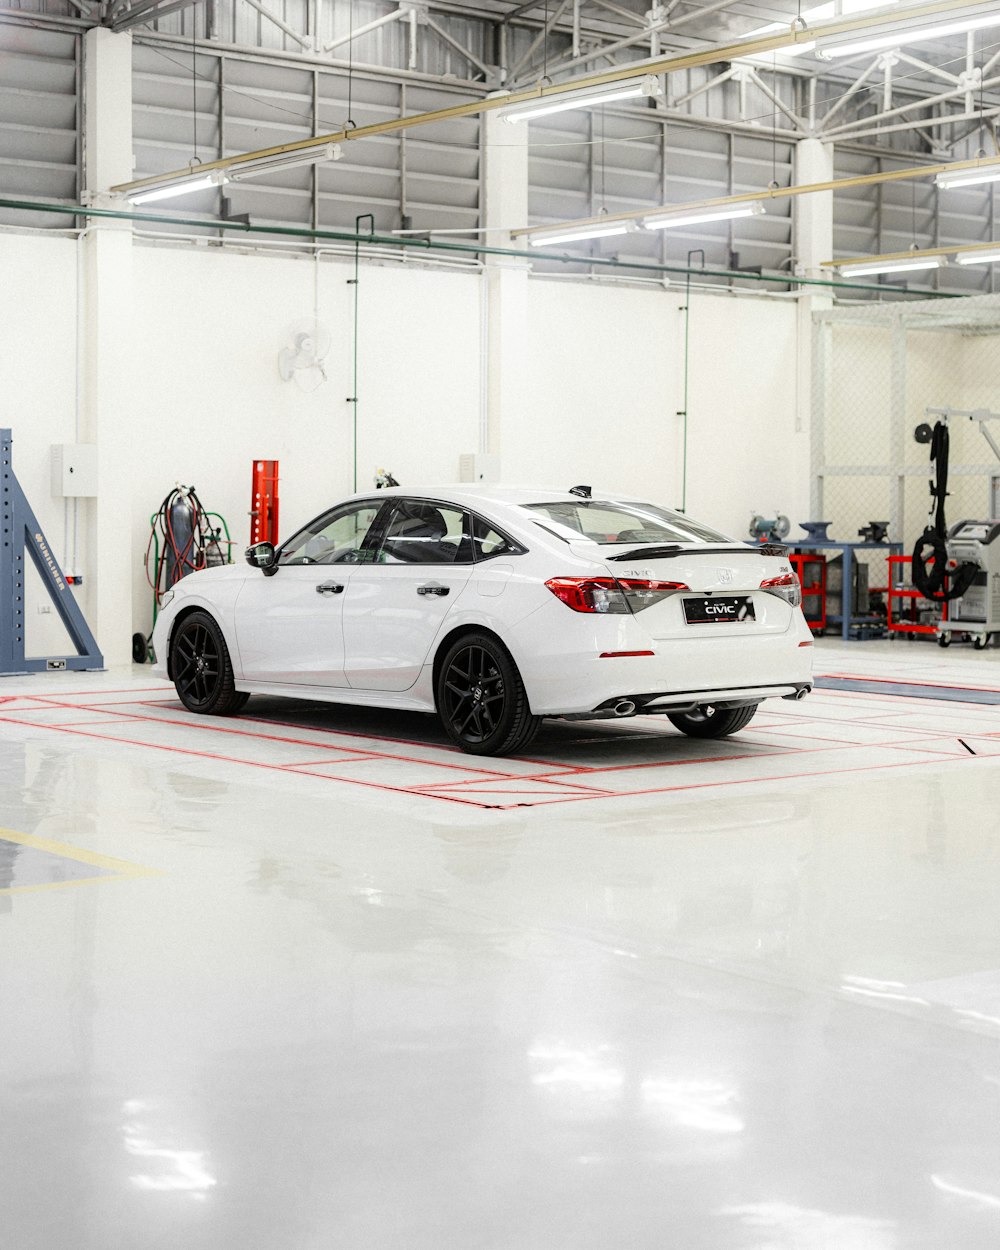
624	707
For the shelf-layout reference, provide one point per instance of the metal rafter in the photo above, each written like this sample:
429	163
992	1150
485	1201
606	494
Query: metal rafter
147	11
662	65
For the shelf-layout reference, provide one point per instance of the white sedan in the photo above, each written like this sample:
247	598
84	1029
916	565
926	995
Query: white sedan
496	607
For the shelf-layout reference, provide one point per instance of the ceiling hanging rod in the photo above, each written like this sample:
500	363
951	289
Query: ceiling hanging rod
660	65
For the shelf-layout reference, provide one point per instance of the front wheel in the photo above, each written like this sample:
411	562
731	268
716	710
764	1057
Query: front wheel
201	668
981	642
712	722
481	698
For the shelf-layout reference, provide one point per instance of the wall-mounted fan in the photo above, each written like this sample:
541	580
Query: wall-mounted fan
308	342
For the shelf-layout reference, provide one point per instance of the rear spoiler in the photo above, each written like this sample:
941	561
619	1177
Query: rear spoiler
669	553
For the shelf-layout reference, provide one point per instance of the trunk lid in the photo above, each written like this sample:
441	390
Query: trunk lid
713	574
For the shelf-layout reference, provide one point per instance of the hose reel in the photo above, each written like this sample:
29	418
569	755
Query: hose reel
929	564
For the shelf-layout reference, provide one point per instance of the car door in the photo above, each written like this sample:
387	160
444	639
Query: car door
394	608
289	627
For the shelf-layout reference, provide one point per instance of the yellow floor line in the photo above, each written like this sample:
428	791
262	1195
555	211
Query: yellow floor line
118	869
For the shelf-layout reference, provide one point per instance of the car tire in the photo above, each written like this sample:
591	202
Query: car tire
201	668
713	722
481	699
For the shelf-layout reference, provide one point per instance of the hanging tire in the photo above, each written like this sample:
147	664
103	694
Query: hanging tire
140	649
201	668
481	699
712	722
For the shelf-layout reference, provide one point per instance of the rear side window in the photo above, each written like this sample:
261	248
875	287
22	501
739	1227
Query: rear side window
607	522
488	542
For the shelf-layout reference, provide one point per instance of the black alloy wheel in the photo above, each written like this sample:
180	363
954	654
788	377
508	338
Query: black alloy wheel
712	722
481	699
201	668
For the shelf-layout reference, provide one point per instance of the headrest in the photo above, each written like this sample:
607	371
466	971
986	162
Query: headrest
418	520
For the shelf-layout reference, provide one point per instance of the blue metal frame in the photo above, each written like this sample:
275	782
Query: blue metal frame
22	533
845	620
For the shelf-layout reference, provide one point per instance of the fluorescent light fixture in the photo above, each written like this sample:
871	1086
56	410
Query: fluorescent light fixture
820	13
907	34
177	186
905	265
579	234
969	177
681	218
284	160
585	98
985	257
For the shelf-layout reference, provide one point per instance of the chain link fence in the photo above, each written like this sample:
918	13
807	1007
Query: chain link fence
876	372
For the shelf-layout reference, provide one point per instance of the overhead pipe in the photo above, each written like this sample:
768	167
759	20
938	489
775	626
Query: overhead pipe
770	193
467	249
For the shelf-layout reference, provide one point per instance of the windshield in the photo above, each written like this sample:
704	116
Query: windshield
606	522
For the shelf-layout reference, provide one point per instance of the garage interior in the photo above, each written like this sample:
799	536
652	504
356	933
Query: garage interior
309	976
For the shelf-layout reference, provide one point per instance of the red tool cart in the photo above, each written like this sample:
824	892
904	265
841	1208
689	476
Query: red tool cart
811	571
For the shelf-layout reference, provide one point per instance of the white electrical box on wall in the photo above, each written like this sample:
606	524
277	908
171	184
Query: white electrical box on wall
478	467
74	469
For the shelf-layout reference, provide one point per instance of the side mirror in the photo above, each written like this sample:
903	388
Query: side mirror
263	556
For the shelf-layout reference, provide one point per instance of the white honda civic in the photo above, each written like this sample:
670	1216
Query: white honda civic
496	607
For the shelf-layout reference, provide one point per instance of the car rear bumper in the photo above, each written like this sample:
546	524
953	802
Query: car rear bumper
685	700
569	672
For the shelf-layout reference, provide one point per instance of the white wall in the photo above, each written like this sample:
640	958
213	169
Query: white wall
209	326
606	385
602	383
37	391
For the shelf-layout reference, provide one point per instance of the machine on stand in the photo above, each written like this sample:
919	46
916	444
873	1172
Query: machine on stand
976	611
959	566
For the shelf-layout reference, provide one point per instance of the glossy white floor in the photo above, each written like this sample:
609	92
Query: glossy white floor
310	980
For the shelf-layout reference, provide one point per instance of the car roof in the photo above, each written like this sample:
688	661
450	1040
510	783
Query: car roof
471	493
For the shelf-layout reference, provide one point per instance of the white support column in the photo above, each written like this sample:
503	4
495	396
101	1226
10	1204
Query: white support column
107	401
813	213
506	208
812	244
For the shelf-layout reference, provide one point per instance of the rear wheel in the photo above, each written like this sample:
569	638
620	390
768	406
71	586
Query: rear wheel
201	668
712	722
481	698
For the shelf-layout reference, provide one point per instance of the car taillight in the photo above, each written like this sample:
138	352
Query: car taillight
786	587
611	594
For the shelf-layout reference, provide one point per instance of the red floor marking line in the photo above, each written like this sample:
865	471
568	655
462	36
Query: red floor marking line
491	786
326	763
55	724
412	742
772	753
229	759
745	781
72	694
303	742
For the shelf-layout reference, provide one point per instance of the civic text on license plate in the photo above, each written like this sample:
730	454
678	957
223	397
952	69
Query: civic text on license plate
723	608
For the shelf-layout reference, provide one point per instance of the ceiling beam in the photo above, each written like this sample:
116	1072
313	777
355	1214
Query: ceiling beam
660	65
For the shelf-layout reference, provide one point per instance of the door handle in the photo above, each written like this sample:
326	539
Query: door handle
433	588
329	588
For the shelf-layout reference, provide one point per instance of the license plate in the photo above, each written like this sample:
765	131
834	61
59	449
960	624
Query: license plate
707	611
